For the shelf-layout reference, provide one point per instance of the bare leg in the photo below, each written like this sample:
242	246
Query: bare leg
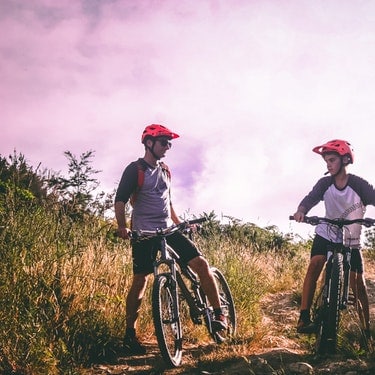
201	267
358	285
309	285
134	299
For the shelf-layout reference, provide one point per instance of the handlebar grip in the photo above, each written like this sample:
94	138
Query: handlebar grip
291	217
197	221
368	222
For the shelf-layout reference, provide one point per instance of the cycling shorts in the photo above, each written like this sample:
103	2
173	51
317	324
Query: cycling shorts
144	252
320	246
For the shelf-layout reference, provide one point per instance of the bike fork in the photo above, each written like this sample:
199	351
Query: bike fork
345	294
327	276
173	284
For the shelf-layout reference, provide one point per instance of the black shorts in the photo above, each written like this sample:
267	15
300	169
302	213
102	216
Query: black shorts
320	246
144	252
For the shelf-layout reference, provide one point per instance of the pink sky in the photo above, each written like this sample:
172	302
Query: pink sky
251	87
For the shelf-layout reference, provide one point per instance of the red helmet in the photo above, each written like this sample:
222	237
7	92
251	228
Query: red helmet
156	130
341	147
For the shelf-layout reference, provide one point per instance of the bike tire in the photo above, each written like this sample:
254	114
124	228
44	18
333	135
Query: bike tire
319	316
331	315
227	306
167	321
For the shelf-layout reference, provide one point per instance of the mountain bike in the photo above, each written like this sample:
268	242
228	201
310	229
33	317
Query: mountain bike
175	282
334	296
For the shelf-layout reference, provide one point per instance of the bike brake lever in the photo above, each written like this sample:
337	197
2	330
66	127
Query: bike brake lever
184	226
134	235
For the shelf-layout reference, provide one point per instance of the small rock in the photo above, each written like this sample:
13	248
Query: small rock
301	368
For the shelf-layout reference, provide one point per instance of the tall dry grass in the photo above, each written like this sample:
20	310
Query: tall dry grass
63	284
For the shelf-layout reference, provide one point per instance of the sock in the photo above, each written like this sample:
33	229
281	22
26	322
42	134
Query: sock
305	315
130	332
218	312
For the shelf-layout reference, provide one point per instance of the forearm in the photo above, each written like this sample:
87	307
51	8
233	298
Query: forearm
174	216
120	214
302	209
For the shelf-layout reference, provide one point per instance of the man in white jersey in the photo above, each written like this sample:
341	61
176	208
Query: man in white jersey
153	209
345	196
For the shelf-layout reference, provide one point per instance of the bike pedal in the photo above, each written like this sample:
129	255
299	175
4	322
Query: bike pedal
197	320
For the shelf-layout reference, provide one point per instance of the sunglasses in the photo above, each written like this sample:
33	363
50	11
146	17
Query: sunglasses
165	142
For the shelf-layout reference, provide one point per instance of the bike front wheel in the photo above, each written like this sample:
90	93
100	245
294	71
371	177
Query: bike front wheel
331	316
227	306
167	320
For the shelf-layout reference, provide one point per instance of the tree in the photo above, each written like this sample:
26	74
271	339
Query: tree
77	191
20	179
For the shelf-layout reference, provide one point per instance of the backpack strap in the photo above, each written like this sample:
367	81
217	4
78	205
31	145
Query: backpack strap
165	169
141	167
140	180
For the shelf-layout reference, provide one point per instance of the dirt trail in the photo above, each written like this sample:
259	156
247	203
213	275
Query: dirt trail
277	349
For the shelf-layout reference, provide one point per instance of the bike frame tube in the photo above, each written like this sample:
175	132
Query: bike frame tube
192	295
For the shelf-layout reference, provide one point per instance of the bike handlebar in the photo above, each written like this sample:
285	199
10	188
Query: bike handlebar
315	220
166	231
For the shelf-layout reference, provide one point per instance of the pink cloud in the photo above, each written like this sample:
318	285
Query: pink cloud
226	75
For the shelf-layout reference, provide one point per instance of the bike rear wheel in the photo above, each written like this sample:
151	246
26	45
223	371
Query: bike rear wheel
327	335
167	320
227	306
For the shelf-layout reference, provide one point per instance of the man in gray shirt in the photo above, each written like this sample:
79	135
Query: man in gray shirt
153	209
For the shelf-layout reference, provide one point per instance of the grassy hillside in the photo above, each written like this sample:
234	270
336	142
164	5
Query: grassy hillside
64	276
63	283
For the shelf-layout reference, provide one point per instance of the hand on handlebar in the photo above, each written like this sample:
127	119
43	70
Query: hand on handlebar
124	233
299	216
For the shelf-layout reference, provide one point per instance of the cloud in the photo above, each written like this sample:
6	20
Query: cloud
251	87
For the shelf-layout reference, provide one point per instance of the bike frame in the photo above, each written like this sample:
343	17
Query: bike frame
168	283
193	294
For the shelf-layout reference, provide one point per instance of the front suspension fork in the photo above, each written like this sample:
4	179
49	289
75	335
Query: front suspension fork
345	294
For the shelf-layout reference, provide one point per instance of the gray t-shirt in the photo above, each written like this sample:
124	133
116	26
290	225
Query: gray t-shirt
152	207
